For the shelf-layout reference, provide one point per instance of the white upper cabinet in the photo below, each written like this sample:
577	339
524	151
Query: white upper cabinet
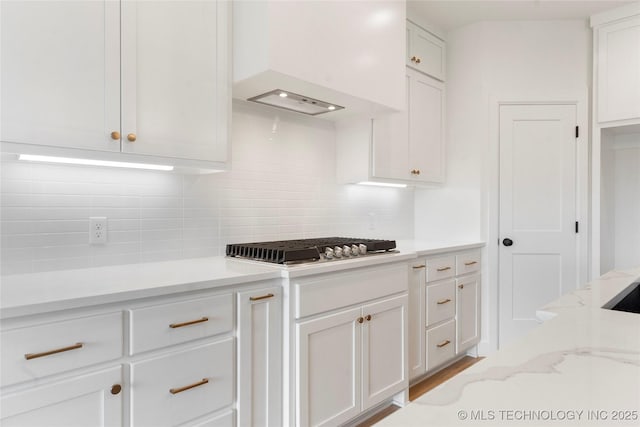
339	52
135	78
60	68
406	147
410	145
425	51
174	85
617	71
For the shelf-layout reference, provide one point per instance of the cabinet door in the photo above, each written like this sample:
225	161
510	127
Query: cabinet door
417	321
328	367
175	78
384	350
426	127
260	357
619	70
60	73
425	52
467	313
86	400
390	144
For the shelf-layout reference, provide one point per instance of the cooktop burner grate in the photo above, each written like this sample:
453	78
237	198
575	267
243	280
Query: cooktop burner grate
289	251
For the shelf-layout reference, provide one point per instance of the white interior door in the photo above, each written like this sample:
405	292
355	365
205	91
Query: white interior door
537	255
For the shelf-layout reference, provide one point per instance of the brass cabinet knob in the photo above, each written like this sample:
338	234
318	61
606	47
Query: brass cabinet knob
415	171
115	135
360	319
368	317
413	59
460	286
417	60
116	389
131	137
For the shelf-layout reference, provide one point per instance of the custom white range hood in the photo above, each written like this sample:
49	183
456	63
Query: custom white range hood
336	54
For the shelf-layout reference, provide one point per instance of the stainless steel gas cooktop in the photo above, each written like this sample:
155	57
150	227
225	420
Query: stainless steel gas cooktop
309	250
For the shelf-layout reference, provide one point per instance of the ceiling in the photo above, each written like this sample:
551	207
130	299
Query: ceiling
450	14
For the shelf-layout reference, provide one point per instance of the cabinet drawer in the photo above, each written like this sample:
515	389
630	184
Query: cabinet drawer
36	351
468	262
441	268
167	324
441	344
175	388
330	291
441	302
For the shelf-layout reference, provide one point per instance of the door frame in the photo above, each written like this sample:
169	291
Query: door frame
491	222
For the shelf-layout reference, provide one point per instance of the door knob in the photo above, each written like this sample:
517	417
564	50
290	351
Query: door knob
507	242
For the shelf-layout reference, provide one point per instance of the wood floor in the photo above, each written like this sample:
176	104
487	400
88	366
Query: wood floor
422	387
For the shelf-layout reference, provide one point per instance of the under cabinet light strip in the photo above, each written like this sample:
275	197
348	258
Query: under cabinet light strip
382	184
92	162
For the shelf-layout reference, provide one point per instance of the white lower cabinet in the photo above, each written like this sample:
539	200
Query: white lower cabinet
468	309
417	312
260	357
444	309
349	361
181	366
93	399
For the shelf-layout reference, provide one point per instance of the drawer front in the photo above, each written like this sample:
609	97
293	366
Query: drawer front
167	324
441	344
441	268
175	388
226	419
328	292
468	262
46	349
441	302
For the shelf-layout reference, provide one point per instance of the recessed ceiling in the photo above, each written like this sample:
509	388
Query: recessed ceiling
450	14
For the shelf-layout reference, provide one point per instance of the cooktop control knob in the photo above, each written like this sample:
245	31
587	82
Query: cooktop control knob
337	251
355	250
363	249
328	253
346	250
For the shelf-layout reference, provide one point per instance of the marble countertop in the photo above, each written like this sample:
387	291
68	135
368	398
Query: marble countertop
580	368
26	294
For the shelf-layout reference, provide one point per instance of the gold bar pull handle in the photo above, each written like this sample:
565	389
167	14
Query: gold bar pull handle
443	343
261	297
416	267
444	301
30	356
443	269
188	387
191	322
470	263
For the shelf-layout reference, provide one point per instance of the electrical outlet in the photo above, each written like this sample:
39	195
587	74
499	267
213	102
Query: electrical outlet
97	230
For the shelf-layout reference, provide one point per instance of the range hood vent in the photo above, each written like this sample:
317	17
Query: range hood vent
292	101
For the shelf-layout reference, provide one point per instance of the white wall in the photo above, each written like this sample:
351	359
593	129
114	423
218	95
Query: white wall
282	185
490	61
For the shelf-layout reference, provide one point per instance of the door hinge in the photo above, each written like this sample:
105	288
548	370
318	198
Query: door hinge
577	131
577	226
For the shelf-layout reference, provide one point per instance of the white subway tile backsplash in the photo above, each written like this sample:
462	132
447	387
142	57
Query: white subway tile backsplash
281	186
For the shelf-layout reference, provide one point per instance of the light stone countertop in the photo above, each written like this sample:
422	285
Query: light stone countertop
580	368
26	294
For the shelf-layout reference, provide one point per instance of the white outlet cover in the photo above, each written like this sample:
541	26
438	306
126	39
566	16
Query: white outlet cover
97	230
